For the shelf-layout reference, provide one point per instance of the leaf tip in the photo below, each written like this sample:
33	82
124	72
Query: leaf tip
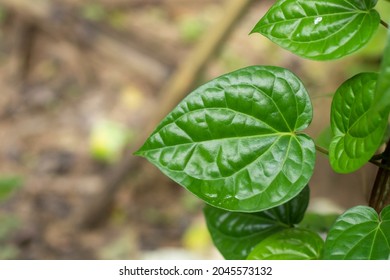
255	28
138	153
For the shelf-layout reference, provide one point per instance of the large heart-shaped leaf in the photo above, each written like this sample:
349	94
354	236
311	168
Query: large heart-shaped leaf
233	141
359	234
318	29
235	234
357	128
289	244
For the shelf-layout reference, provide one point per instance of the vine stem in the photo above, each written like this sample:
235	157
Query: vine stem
385	24
322	150
380	193
373	160
380	165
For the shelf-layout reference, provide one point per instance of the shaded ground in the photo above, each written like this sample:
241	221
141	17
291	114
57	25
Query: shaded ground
56	90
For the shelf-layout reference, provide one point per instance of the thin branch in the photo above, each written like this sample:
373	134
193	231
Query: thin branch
380	165
379	196
377	157
373	160
385	24
322	150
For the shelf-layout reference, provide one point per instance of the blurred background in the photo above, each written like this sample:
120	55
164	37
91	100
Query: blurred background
83	83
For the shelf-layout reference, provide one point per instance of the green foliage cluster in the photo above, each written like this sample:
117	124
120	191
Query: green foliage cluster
8	223
237	142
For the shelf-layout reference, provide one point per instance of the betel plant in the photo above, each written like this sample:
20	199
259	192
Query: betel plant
237	142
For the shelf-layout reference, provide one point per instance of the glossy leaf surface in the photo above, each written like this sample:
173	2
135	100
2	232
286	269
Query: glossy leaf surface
235	234
289	244
357	128
233	142
320	30
359	234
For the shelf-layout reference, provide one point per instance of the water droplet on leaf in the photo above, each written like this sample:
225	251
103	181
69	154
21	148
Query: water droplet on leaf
317	20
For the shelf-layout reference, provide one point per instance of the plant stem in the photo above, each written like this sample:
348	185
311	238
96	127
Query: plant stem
385	24
380	193
380	165
373	160
322	150
376	157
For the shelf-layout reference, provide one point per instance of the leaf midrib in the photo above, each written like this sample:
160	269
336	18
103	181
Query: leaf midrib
214	108
246	165
278	135
264	94
313	17
356	123
318	40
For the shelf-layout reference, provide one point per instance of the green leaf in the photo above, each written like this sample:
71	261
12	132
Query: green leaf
359	234
320	30
357	128
291	212
235	234
289	244
233	141
318	222
382	91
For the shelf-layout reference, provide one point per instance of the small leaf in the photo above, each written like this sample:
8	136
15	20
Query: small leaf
320	30
359	234
289	244
233	142
357	128
235	234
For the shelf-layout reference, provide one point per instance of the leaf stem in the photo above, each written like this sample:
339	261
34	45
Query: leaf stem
385	24
380	193
380	165
373	160
377	157
322	150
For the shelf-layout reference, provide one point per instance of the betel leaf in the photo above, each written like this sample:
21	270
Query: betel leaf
235	234
233	141
357	128
360	234
318	29
289	244
291	212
